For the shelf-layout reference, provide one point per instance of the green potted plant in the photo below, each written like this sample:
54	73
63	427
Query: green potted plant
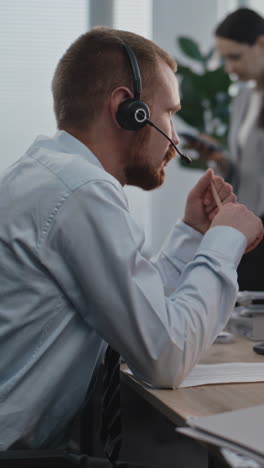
204	91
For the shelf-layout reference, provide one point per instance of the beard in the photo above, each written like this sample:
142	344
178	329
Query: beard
140	171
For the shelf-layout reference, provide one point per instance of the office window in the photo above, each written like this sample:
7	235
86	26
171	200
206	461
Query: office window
33	36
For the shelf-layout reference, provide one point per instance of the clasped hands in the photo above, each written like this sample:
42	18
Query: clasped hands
202	213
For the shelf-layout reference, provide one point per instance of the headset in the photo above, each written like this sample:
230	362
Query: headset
133	114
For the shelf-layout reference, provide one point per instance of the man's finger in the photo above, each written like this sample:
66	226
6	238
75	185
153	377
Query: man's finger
204	182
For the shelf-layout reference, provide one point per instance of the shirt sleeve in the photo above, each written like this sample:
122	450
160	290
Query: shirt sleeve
93	250
178	249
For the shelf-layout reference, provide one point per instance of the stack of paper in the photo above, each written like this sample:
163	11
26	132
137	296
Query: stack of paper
231	372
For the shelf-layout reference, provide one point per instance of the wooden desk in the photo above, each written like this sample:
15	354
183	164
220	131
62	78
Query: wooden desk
177	405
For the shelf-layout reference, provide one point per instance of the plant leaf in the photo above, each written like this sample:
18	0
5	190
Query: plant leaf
190	48
205	98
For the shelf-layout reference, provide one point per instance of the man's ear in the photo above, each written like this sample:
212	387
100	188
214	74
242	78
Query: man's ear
118	96
260	41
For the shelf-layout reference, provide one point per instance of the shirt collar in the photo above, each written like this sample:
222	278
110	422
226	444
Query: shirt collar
70	144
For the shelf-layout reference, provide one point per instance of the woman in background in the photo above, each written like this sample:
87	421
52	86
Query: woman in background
240	42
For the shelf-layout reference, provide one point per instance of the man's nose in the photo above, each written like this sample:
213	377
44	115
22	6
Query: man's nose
174	135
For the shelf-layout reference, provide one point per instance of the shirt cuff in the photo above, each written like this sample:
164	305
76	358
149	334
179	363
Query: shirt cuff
225	240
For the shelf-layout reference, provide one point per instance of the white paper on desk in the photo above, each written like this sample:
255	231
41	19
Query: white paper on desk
231	372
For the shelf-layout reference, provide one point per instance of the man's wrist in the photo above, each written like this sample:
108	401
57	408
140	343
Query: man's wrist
189	223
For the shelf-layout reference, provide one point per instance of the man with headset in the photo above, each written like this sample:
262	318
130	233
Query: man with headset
73	276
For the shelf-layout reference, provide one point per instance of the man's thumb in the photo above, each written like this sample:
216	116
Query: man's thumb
204	182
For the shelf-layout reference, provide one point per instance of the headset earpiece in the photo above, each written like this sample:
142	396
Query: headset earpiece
132	114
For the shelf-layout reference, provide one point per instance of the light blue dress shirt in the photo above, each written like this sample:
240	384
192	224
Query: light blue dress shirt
72	276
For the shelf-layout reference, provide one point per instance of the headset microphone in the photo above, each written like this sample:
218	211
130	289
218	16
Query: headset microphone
186	159
133	114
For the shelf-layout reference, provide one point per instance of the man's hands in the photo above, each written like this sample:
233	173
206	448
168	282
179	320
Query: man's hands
202	213
239	217
201	207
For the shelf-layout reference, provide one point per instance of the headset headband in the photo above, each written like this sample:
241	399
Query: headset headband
135	71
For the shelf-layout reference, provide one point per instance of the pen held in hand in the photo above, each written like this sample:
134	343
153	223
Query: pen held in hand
216	196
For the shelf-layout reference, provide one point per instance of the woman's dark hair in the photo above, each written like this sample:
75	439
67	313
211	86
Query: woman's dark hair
243	25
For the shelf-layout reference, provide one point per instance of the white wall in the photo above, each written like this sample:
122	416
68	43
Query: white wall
257	5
